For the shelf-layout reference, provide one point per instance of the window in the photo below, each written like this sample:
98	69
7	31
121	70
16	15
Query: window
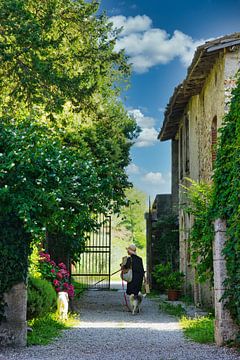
187	165
181	152
214	139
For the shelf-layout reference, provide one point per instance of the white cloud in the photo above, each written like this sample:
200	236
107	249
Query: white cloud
154	178
148	135
131	24
142	120
148	46
133	169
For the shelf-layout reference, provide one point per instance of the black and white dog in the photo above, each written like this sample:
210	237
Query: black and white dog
135	302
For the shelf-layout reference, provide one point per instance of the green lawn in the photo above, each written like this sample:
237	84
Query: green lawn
200	329
46	329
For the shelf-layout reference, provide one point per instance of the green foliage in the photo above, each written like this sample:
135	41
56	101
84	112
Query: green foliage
132	217
201	234
200	329
64	135
56	50
222	201
45	330
226	198
41	298
14	250
175	310
167	278
166	245
33	260
161	271
174	280
48	328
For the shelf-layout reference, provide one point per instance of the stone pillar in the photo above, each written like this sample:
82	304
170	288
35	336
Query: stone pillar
225	329
15	326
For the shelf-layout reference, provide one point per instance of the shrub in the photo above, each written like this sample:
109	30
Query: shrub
41	298
58	275
161	271
167	278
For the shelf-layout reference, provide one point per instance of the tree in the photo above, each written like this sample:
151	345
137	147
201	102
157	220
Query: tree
65	135
132	216
56	51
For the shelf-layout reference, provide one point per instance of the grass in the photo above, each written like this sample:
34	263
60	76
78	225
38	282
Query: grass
153	294
46	329
200	329
175	310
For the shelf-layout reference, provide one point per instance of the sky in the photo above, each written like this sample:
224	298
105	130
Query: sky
160	38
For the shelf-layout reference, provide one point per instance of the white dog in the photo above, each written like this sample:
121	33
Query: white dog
135	302
62	305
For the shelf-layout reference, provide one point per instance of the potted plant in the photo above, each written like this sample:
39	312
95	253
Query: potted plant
173	283
160	273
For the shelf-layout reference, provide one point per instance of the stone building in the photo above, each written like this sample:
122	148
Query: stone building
161	207
194	114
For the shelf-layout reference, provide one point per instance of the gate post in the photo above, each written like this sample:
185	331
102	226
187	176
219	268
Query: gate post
225	329
14	328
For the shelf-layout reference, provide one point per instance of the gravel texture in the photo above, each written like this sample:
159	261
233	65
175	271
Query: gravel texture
108	331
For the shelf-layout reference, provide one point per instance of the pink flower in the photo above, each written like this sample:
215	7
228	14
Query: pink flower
66	285
56	282
64	272
58	289
53	271
59	276
62	266
44	257
71	291
53	263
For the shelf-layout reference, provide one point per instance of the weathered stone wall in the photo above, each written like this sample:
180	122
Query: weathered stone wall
13	331
211	103
225	329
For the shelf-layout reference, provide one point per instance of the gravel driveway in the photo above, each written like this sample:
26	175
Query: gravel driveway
108	331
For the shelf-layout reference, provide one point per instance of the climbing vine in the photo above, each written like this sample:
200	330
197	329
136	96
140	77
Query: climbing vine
201	234
221	200
226	198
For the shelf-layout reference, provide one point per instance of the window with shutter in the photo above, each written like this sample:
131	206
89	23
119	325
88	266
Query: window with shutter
214	139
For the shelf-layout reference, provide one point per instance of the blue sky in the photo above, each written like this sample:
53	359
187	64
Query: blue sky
160	37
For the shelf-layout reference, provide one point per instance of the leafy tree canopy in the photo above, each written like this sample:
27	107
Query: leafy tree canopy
65	136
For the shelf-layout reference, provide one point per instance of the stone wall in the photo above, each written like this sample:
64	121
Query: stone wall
13	331
162	206
195	147
225	329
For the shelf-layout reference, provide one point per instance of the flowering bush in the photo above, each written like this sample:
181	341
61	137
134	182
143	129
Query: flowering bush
56	274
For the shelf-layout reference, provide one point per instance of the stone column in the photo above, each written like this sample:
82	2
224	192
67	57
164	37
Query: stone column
15	326
225	329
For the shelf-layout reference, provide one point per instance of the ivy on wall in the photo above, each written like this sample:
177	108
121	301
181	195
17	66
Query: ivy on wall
226	198
221	200
201	234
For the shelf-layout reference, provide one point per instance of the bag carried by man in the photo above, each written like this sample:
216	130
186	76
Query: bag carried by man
126	273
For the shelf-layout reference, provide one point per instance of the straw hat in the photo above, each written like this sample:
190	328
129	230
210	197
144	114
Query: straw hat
132	249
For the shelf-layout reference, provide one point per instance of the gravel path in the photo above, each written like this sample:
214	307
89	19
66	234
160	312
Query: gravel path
109	332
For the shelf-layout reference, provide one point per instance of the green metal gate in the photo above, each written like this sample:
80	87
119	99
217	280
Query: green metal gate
94	268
